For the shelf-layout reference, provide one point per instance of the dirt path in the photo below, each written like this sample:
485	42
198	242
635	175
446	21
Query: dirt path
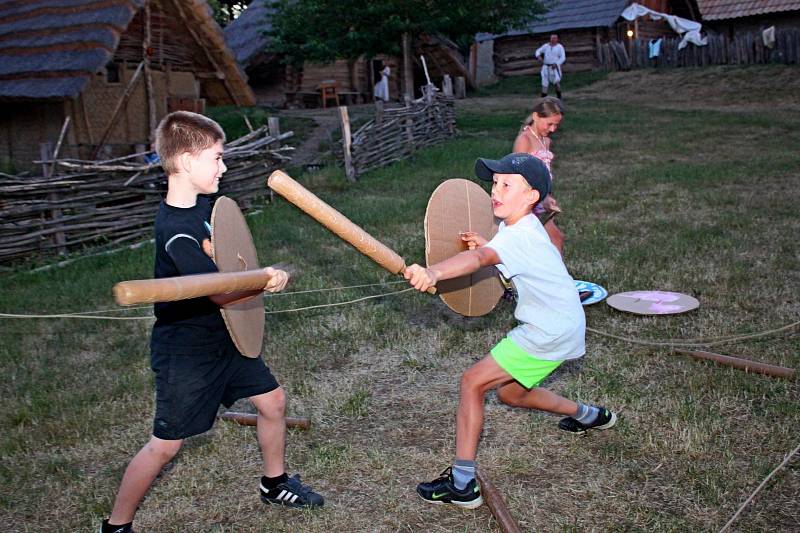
327	120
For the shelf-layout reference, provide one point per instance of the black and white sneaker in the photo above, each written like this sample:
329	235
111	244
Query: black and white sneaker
291	493
605	419
443	490
106	528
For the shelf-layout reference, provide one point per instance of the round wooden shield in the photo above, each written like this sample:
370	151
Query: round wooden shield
233	251
653	302
455	206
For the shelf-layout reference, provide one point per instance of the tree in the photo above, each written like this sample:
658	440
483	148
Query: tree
227	10
325	30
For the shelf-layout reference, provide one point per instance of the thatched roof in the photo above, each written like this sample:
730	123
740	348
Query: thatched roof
569	15
729	9
50	48
245	35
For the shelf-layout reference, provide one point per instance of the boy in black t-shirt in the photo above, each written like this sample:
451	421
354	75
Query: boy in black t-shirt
196	364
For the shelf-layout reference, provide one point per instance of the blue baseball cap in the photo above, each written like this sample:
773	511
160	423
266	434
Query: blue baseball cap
532	169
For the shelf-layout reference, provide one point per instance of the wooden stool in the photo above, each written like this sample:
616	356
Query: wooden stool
329	90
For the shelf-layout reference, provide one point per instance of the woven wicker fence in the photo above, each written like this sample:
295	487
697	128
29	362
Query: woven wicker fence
397	132
106	203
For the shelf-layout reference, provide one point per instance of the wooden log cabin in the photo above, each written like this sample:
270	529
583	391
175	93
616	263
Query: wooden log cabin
114	67
581	25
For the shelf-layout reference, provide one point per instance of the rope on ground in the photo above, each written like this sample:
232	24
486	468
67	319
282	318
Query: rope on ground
678	342
93	316
766	479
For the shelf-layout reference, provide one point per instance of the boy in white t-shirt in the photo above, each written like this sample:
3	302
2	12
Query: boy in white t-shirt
551	322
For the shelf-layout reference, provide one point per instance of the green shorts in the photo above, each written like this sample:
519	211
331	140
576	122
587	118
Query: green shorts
522	366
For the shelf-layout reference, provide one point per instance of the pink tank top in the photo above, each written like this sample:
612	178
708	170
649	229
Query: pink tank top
543	154
546	157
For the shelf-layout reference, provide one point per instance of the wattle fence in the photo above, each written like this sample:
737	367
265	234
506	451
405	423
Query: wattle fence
108	203
397	132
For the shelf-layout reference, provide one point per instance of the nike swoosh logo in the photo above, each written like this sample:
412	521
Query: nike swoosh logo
437	496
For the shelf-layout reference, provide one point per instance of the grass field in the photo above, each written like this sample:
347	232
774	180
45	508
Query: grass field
685	180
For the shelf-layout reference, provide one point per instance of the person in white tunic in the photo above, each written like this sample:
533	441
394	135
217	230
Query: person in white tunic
553	56
551	325
382	87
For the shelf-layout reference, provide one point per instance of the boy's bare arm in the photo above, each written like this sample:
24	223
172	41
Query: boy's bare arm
459	265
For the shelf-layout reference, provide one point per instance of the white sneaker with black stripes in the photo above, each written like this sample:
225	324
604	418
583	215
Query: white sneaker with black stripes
291	493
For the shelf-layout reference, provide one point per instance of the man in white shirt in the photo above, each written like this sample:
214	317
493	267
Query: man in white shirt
553	56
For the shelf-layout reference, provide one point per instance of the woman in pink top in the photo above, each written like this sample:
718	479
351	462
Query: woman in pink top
534	139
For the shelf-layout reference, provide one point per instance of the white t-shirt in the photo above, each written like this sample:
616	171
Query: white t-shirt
552	323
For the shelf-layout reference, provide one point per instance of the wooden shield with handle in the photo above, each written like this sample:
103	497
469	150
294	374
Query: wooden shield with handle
233	251
459	205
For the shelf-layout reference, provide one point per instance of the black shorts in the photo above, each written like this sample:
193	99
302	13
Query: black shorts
190	387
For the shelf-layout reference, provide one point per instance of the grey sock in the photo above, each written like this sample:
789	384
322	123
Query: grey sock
586	414
463	473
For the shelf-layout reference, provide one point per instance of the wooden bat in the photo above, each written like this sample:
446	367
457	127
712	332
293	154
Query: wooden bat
183	287
249	419
336	222
742	364
497	505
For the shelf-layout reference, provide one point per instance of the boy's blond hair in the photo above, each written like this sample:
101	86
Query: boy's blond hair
184	131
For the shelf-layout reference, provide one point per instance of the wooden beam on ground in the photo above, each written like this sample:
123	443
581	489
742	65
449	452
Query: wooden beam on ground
497	505
249	419
742	364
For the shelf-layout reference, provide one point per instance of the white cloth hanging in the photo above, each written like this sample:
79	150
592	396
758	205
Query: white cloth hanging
382	87
768	36
689	29
654	48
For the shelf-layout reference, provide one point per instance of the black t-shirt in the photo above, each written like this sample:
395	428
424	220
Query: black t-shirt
180	233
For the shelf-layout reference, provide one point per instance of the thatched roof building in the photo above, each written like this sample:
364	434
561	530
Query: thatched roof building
114	67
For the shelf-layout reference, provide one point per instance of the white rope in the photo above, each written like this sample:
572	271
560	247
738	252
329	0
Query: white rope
337	288
88	315
77	315
339	303
678	342
766	479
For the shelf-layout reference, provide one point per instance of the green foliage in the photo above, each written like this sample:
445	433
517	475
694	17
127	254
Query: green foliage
325	30
227	10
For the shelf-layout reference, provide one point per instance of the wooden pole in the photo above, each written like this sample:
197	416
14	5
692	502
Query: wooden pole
408	72
447	85
48	156
742	364
461	87
274	128
148	77
494	500
249	419
344	121
120	104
